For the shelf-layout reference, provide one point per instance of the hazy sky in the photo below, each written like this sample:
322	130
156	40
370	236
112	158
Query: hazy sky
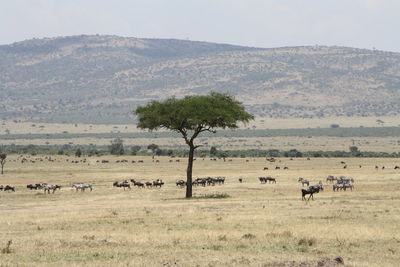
261	23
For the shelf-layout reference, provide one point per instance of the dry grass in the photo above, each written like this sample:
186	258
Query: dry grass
253	224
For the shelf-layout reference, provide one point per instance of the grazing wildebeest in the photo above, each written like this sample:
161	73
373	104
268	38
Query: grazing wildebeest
8	188
396	167
124	185
319	185
53	187
82	186
138	184
240	180
35	186
148	184
376	167
1	187
310	191
220	180
286	168
181	183
303	181
265	168
277	168
158	183
263	180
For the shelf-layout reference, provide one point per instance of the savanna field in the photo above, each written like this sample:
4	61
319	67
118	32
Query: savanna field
235	224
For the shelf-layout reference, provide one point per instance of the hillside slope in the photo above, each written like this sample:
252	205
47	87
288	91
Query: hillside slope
100	79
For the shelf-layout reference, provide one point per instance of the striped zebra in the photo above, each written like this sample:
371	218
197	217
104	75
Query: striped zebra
82	186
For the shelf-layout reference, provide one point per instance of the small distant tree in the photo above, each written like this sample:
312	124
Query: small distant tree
213	151
192	116
3	157
117	147
335	125
135	150
353	149
153	147
78	153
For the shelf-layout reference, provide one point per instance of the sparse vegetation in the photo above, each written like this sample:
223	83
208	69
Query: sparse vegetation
255	225
146	67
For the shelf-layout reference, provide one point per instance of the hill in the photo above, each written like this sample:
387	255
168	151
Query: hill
100	79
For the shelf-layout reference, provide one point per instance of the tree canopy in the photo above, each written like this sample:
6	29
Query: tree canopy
191	116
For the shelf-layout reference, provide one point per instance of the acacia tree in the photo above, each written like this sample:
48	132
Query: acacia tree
2	161
191	116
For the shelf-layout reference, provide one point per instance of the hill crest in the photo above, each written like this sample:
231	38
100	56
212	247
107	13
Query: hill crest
101	78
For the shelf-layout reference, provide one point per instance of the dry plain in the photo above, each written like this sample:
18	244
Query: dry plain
252	224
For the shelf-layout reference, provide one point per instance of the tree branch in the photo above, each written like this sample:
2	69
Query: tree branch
184	134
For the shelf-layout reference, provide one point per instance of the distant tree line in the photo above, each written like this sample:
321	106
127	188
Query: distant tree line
156	150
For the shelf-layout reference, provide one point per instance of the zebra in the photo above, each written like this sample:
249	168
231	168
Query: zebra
303	181
338	186
82	187
331	178
345	186
49	187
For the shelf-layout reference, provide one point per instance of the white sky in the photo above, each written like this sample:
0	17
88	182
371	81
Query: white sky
260	23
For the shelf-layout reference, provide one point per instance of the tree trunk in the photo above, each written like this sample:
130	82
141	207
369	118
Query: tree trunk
189	172
2	167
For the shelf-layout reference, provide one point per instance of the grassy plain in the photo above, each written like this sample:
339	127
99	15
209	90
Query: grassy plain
256	225
258	123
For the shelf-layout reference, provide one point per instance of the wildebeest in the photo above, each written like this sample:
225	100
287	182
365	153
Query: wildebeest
264	180
319	185
396	167
52	187
124	184
137	183
181	183
240	180
158	183
310	191
35	186
7	188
